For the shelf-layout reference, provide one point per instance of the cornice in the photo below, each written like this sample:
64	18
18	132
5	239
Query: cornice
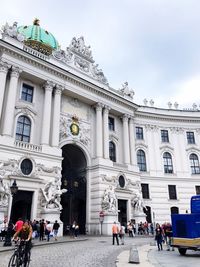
66	76
166	117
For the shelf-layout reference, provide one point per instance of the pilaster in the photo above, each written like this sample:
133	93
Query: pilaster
56	115
4	66
11	99
48	87
99	144
126	147
106	132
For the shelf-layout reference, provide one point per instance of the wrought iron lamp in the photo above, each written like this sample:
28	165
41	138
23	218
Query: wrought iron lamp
14	188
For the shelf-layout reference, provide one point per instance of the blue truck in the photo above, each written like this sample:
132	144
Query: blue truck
186	228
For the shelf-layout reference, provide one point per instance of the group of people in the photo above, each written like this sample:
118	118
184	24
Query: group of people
73	230
41	229
141	229
44	228
163	233
118	232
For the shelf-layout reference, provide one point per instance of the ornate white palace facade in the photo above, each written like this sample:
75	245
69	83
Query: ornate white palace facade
75	146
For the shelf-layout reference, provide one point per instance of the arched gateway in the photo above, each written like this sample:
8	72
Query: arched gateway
74	180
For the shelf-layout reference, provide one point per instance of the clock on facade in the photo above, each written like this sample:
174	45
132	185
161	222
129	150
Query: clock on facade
74	128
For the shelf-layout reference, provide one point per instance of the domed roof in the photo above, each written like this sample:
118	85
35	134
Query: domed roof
38	38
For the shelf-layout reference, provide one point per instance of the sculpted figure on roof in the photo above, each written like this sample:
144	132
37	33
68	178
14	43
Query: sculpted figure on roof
98	73
12	31
126	91
79	46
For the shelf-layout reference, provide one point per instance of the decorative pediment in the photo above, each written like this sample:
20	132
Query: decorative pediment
26	110
79	55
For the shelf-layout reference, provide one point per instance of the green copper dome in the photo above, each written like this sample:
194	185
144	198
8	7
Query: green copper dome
38	38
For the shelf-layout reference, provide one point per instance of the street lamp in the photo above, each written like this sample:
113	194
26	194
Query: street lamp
13	191
14	188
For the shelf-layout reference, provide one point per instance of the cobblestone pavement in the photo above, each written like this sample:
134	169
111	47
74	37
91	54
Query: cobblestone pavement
94	252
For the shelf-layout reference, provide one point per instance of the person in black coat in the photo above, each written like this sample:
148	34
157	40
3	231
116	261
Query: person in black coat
159	236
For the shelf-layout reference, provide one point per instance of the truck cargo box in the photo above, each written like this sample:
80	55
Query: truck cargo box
186	225
195	204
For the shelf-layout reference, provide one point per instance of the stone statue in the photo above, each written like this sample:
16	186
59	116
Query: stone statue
109	201
126	90
79	46
13	32
4	193
98	73
52	195
137	203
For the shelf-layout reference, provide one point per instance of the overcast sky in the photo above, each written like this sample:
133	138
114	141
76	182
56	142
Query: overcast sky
152	44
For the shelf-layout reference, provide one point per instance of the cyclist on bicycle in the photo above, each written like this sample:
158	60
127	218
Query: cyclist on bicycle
25	235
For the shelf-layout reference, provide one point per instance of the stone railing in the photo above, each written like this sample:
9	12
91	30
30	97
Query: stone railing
28	146
35	53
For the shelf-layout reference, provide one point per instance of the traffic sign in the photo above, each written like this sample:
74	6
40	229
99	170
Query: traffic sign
101	214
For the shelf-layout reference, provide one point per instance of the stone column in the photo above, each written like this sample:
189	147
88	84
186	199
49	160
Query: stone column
47	113
99	146
106	132
56	115
11	99
126	139
3	74
132	141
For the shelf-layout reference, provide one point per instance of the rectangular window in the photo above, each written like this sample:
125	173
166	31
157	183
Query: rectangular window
164	136
27	93
190	138
139	133
172	192
197	187
111	123
145	190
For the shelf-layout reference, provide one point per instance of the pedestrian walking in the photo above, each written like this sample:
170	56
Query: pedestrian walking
48	230
122	234
76	231
115	232
159	236
42	228
168	234
56	226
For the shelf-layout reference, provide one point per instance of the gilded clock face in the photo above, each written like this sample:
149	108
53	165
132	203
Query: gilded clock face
74	128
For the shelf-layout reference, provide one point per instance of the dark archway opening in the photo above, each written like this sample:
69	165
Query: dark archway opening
147	211
74	180
122	208
21	206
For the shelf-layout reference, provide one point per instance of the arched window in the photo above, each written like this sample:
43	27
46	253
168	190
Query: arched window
174	210
141	160
112	151
23	130
168	166
194	164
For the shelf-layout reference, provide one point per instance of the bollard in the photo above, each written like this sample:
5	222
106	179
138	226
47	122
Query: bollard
134	256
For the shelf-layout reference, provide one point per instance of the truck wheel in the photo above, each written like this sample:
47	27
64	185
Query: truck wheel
182	251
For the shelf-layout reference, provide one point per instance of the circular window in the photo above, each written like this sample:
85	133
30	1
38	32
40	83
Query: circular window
121	181
26	166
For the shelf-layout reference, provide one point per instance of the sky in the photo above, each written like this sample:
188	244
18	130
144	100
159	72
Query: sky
154	45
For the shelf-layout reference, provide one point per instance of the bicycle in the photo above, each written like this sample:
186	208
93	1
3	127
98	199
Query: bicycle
20	257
